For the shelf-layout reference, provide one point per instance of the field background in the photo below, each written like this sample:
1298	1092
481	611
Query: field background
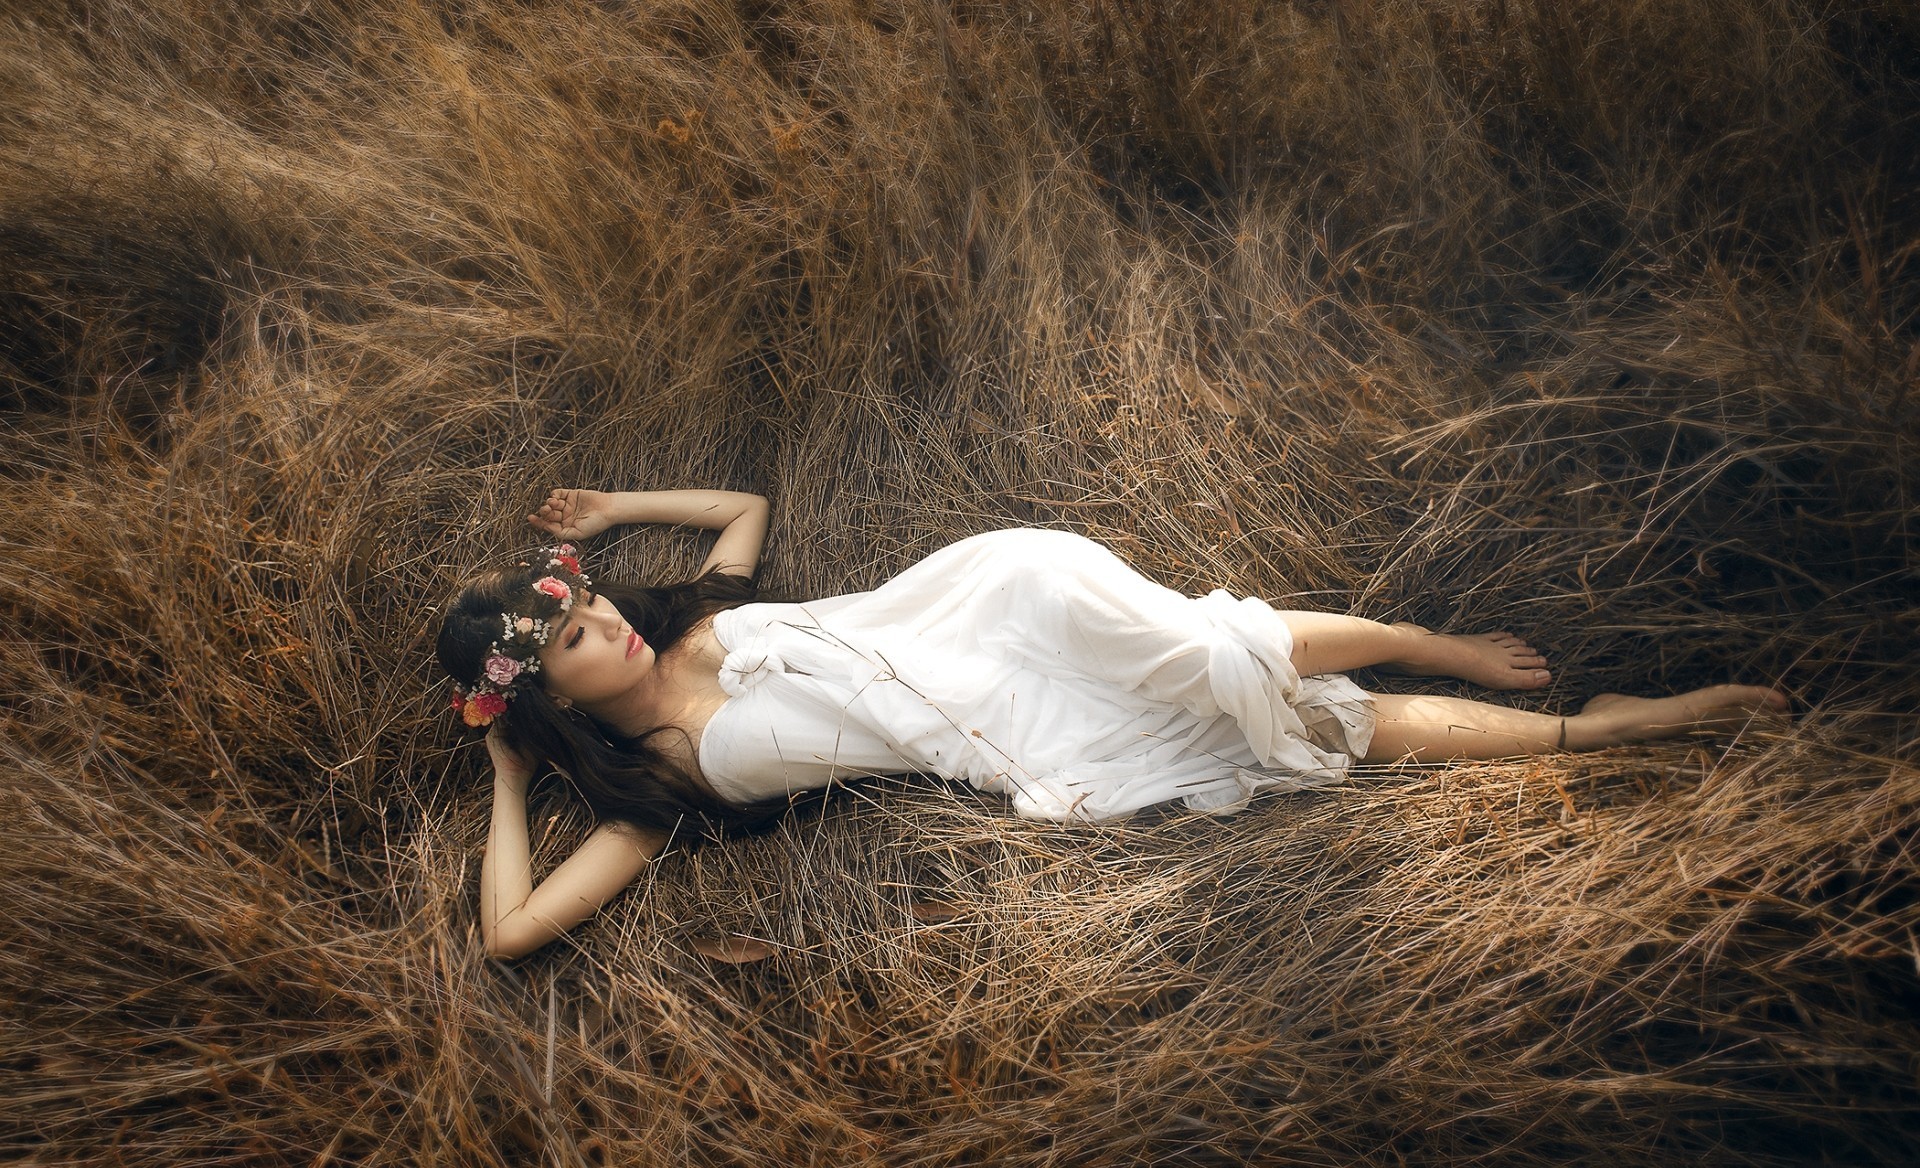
1591	319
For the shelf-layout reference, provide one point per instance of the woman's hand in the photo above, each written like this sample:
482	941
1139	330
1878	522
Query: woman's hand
572	513
510	769
740	518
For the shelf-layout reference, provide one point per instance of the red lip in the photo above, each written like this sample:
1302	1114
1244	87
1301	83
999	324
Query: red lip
633	644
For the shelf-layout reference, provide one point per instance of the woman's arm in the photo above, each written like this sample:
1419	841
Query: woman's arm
515	917
740	518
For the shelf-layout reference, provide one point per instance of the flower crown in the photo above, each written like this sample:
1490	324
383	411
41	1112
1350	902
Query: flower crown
516	652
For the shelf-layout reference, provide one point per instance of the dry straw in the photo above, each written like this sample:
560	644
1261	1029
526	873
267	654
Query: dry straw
1592	319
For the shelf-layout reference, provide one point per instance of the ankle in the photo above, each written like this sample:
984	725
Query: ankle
1591	731
1410	647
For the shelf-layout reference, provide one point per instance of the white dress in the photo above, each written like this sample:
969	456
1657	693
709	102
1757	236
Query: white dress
1035	664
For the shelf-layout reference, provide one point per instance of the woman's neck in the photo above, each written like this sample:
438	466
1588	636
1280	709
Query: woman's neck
632	714
657	700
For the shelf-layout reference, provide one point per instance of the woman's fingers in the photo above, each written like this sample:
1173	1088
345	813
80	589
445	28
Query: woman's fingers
556	515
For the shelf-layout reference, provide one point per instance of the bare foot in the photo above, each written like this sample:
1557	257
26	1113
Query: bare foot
1494	660
1620	718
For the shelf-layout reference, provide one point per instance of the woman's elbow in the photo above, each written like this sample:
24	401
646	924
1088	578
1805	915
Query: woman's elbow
510	940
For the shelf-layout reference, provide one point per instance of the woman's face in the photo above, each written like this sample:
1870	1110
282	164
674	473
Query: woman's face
592	656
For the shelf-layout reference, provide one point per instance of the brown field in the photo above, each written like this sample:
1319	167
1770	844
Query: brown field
1596	320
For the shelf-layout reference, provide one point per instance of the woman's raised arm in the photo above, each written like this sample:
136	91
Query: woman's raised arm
739	517
515	917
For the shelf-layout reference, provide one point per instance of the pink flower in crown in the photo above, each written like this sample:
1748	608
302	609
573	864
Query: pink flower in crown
502	669
554	588
523	627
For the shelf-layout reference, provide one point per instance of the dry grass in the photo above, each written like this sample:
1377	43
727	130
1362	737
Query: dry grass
1593	319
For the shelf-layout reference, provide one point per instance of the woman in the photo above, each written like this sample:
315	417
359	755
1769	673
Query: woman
1032	663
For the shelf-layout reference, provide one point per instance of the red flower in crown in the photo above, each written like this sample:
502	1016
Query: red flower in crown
566	561
483	709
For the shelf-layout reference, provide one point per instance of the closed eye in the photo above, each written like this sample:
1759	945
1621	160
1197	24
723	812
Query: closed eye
580	630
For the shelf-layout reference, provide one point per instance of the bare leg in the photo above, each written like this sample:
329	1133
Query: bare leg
1425	728
1434	729
1325	642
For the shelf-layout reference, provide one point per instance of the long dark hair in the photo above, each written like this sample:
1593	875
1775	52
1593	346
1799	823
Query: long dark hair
621	778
